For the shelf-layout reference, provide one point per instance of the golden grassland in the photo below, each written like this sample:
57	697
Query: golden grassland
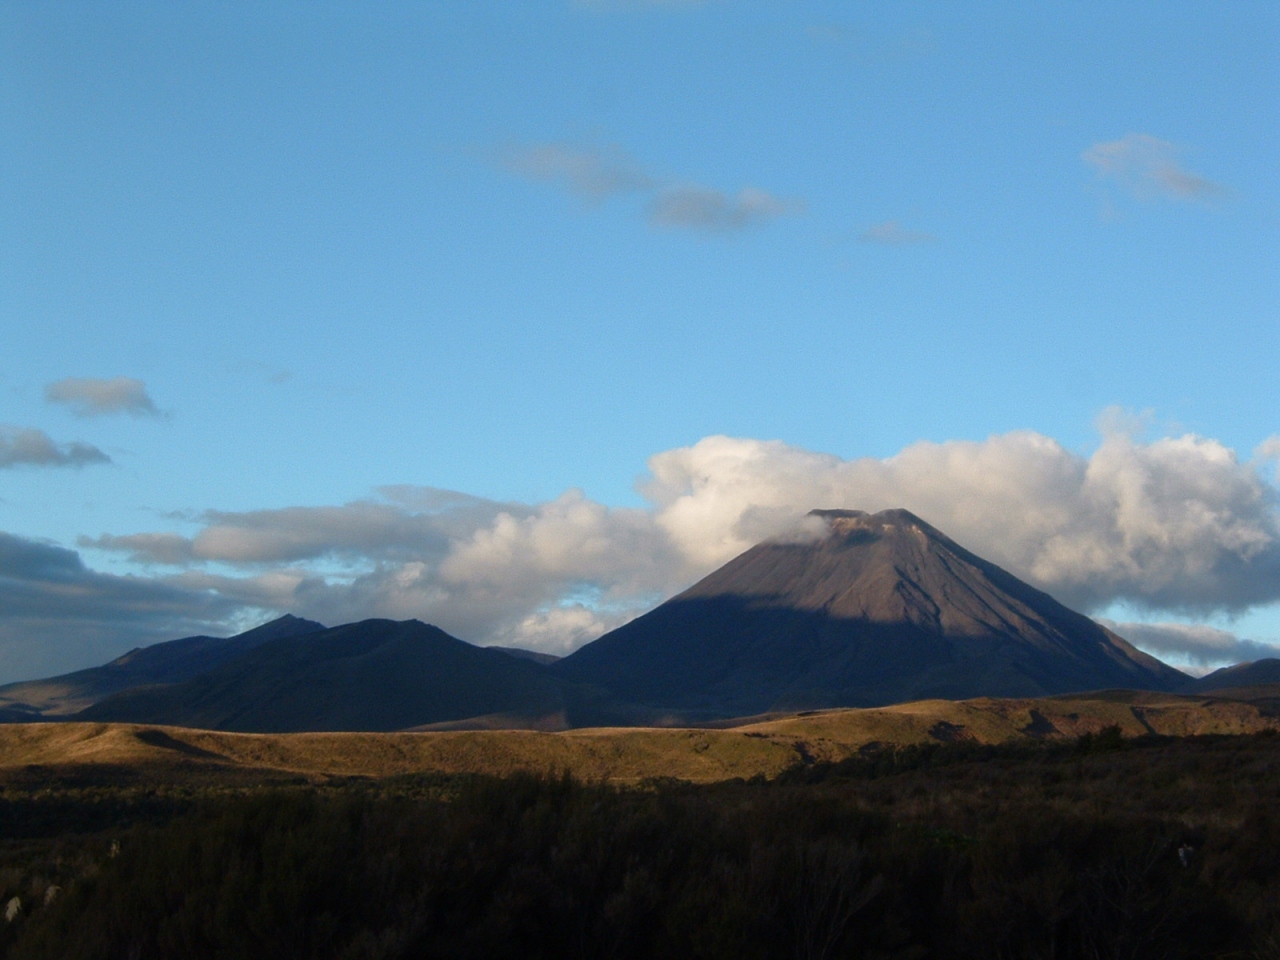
624	755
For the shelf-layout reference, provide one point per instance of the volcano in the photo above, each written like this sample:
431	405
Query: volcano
882	609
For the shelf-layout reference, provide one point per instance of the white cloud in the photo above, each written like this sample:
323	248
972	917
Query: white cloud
90	397
27	447
517	566
561	630
892	233
1200	644
1177	524
480	569
701	208
1149	167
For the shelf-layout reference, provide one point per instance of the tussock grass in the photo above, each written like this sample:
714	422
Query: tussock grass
629	754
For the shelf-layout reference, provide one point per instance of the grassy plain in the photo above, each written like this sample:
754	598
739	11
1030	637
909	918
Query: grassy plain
764	747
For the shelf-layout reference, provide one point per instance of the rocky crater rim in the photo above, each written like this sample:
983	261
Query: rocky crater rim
843	522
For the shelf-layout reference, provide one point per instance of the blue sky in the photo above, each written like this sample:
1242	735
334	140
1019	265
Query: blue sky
284	256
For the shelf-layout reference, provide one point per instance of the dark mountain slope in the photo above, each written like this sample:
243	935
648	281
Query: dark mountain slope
1252	674
882	610
373	675
534	655
171	662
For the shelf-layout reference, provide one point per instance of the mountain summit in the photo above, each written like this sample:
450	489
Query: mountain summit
882	609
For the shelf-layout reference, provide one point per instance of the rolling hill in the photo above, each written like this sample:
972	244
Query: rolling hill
126	752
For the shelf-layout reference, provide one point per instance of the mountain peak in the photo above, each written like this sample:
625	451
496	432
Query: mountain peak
885	608
883	567
846	520
892	523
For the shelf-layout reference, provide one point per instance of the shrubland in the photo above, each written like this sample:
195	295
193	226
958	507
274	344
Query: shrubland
1097	847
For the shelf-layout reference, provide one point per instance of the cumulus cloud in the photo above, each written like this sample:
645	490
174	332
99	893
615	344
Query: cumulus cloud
1200	644
701	208
894	234
1149	167
562	629
1179	524
595	173
483	571
25	446
91	397
56	614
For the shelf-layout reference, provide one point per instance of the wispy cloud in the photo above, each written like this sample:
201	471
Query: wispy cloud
597	174
92	397
701	208
170	549
25	446
894	234
1149	167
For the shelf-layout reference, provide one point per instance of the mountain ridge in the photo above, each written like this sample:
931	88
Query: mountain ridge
1252	673
373	675
881	609
171	661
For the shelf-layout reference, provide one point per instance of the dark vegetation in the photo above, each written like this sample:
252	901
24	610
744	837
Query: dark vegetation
1098	848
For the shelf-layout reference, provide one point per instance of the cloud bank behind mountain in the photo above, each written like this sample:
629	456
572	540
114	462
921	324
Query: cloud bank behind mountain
1179	524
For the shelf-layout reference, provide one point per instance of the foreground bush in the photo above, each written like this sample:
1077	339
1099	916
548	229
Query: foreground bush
1075	853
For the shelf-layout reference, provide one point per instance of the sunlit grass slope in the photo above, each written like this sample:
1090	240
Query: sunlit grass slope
629	754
